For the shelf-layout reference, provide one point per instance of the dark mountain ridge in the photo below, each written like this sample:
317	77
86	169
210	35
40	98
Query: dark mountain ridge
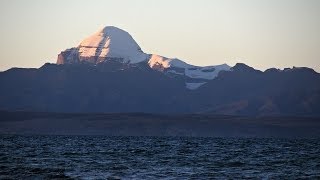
112	86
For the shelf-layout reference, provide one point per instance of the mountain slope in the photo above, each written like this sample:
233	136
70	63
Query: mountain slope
246	91
111	87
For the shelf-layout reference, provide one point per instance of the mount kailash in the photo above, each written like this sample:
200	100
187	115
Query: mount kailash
109	73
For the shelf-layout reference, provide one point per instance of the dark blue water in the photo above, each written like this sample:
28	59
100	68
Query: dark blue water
88	157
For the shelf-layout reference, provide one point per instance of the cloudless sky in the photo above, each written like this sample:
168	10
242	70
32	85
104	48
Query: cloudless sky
260	33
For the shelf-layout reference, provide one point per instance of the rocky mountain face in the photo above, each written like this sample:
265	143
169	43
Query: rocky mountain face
108	72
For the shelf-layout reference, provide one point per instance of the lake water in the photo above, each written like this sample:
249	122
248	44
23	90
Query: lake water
98	157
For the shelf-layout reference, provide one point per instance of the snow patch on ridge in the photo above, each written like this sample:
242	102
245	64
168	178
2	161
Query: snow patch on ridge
206	72
193	86
157	60
167	62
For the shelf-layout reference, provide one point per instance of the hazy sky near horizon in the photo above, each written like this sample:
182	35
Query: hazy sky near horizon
260	33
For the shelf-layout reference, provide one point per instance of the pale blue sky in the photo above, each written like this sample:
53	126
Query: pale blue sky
260	33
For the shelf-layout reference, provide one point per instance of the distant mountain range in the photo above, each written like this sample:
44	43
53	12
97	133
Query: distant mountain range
108	72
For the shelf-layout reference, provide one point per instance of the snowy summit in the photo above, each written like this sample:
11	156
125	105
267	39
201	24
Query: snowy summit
112	43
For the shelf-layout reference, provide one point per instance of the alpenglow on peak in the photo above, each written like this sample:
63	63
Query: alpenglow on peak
108	43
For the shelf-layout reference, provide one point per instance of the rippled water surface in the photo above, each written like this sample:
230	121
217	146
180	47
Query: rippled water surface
90	157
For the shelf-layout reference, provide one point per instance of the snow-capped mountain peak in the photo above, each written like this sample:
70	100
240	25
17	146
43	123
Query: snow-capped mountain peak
112	43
